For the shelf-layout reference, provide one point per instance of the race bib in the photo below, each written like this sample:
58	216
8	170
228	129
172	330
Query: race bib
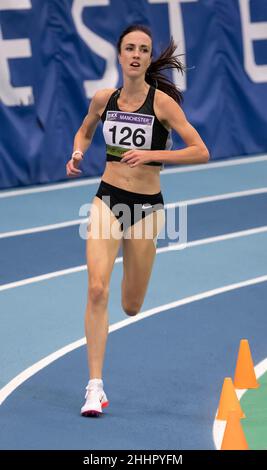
124	131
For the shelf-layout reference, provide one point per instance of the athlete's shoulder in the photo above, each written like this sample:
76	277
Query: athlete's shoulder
165	107
102	96
100	100
163	99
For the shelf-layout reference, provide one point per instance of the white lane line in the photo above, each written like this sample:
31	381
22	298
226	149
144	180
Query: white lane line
30	371
219	425
213	165
43	277
171	247
43	228
49	187
178	169
220	238
170	205
217	197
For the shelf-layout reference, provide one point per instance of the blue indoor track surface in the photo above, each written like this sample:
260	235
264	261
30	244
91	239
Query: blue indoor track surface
164	369
163	377
44	252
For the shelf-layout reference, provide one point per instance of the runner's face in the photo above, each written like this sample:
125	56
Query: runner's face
135	55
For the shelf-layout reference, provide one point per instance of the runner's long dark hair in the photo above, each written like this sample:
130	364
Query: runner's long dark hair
167	60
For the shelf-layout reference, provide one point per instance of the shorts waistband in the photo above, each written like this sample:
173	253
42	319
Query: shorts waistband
130	194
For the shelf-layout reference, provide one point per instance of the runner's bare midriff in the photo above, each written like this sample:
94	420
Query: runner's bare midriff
142	179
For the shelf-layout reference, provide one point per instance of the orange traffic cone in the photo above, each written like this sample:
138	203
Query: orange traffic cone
244	373
234	437
228	401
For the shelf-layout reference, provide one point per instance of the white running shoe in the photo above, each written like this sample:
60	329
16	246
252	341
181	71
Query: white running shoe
96	399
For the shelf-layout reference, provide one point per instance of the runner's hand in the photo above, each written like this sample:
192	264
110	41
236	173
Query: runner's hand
72	167
136	157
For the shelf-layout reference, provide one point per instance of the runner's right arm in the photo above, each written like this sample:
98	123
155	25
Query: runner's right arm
85	133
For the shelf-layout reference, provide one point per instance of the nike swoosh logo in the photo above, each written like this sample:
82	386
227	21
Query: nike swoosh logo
146	206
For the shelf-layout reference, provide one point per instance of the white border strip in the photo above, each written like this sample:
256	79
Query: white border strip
219	425
171	247
179	169
30	371
170	205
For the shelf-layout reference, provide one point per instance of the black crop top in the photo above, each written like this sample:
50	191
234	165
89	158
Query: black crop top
137	130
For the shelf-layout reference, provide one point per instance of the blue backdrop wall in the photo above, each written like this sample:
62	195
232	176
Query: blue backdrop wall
54	55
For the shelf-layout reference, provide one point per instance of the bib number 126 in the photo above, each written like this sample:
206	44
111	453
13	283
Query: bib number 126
128	136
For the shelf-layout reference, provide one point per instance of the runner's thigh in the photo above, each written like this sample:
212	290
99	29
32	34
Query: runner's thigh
139	250
103	243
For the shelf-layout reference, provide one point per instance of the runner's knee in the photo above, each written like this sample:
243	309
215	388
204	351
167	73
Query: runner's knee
98	291
131	308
